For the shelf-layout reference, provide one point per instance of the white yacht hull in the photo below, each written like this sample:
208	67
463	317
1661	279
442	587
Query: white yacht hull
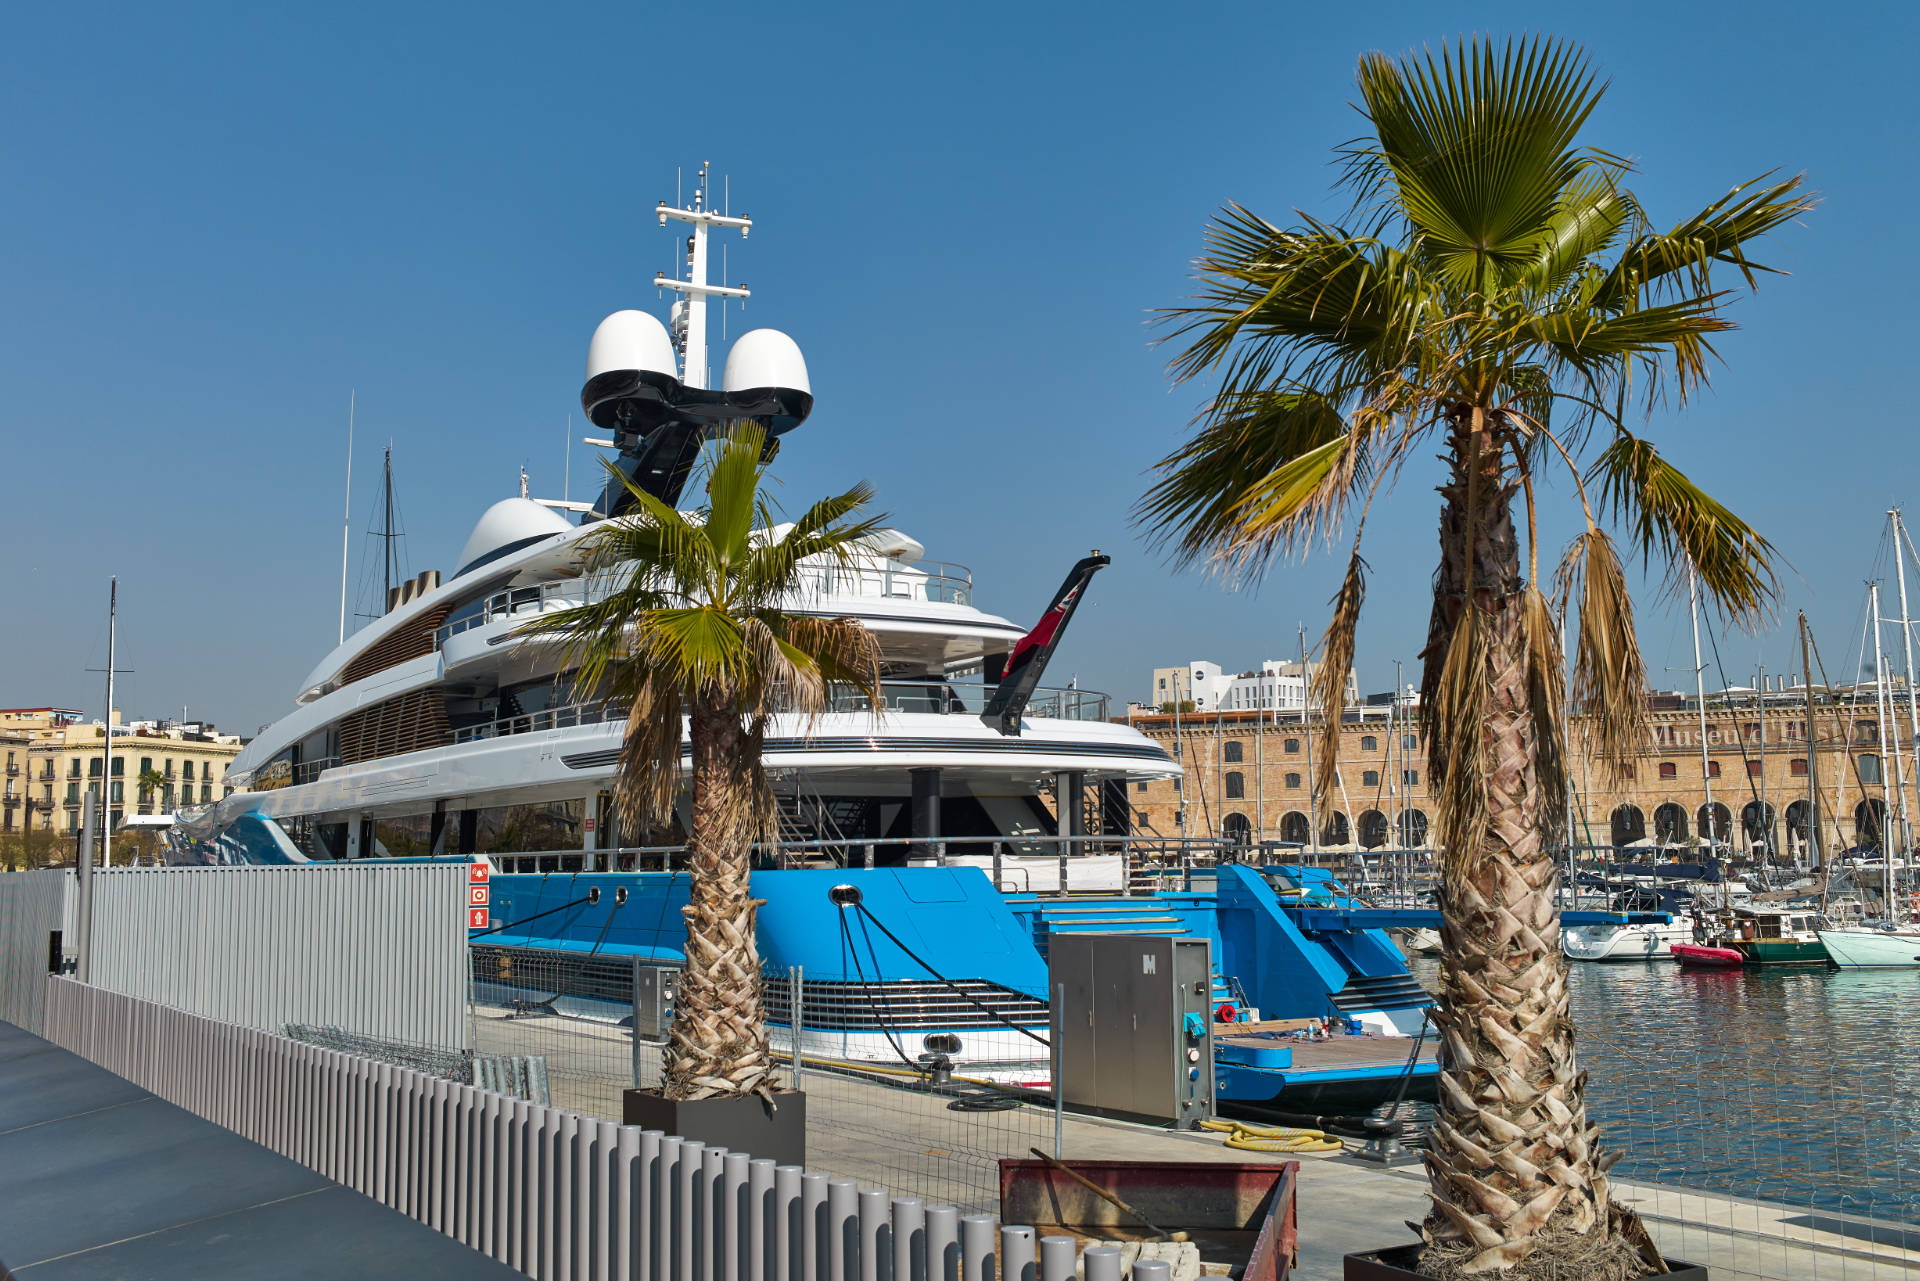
1650	942
1872	949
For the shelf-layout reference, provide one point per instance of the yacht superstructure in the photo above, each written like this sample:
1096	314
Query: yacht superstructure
441	729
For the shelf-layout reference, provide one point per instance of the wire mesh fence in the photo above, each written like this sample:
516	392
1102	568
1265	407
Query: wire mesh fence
881	1105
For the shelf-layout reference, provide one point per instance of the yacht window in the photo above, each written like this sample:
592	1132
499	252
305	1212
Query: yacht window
510	829
405	836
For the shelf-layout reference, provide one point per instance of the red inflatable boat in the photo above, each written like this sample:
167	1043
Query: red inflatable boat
1713	957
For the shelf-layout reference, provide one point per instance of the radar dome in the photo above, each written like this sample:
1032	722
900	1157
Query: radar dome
765	358
509	525
633	340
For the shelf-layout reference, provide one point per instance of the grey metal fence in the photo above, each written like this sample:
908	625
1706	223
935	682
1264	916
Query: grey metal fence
33	906
548	1191
370	949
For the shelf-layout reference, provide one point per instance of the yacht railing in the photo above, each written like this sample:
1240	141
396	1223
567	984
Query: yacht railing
910	697
1015	864
941	582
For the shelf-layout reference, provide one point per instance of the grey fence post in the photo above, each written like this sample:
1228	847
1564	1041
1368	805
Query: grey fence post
1152	1270
686	1224
635	1002
876	1254
843	1227
760	1177
740	1212
813	1227
1103	1264
1057	1051
909	1239
1017	1261
1057	1257
977	1248
943	1243
712	1196
787	1229
796	1001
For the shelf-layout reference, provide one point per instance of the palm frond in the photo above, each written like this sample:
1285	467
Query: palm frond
1609	675
1680	261
1336	661
1667	515
734	491
1479	146
1455	715
1546	702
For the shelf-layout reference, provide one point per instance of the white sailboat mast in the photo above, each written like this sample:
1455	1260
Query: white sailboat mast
689	325
1906	643
346	520
1882	707
105	809
1700	699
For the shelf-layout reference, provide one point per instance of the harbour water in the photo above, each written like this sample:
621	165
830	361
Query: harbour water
1793	1084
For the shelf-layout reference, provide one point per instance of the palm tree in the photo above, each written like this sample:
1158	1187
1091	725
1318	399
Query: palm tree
1496	294
151	783
691	625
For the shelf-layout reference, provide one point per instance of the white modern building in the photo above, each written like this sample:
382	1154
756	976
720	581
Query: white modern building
1276	685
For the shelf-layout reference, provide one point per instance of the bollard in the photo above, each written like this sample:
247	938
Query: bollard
1057	1258
1016	1255
976	1248
943	1243
1152	1270
686	1226
909	1239
1103	1264
713	1217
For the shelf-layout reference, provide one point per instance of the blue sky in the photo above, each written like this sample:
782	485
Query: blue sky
220	219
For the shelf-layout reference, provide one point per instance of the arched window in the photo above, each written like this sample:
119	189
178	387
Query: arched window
1413	829
1293	780
1232	756
1870	769
1368	743
1629	825
1758	821
1237	830
1335	831
1236	785
1292	745
1669	770
1294	829
1670	824
1715	822
1373	829
1870	822
1370	778
1797	829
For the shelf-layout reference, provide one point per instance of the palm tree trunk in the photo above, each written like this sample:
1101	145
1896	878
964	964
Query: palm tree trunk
718	1045
1512	1148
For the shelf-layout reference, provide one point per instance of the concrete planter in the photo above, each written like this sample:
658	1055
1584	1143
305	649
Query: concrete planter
1397	1264
738	1125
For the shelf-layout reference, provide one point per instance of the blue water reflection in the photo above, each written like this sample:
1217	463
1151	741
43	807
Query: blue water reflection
1788	1084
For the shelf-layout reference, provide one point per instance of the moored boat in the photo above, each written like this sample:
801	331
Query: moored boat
1705	957
1765	936
1627	941
1863	947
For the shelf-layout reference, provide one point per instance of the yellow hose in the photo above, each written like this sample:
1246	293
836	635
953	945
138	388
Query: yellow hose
1272	1138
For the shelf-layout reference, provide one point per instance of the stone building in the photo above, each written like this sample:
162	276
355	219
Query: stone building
53	758
1247	775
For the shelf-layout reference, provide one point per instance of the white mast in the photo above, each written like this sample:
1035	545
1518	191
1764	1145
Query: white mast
1881	708
1700	697
346	520
106	780
1906	641
689	323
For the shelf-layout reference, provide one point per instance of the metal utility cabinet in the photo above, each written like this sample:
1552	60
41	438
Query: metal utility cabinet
1133	1023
